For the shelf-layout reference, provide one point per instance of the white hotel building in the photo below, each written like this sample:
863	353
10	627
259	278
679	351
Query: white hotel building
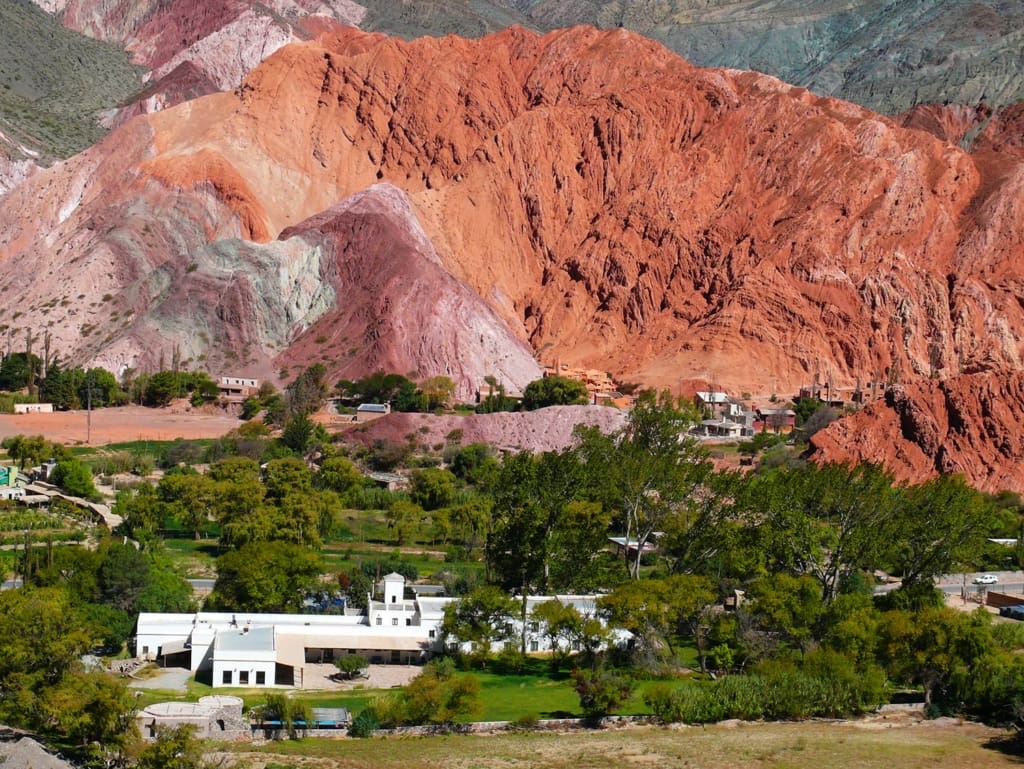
250	650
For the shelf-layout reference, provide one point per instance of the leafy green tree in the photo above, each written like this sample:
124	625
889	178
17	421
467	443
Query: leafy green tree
91	709
244	514
17	369
937	526
440	696
709	534
61	386
936	649
298	433
97	388
339	475
175	747
481	618
474	464
656	611
41	639
350	664
601	691
564	628
236	470
432	487
790	607
161	388
32	450
648	472
469	521
439	391
166	591
75	478
124	574
554	391
375	388
828	522
531	496
410	398
403	519
191	499
265	577
307	392
287	476
73	569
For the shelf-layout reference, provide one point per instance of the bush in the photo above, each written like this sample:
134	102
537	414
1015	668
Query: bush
365	724
601	692
525	722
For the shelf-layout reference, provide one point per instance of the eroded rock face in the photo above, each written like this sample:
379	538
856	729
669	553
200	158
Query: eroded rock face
614	206
968	425
220	40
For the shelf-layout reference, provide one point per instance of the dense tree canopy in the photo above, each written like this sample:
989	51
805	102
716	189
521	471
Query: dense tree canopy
554	391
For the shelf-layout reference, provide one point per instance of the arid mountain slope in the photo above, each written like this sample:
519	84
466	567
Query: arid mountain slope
888	55
52	83
617	208
968	425
549	429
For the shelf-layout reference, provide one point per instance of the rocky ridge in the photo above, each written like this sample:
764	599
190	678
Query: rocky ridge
887	55
969	425
614	206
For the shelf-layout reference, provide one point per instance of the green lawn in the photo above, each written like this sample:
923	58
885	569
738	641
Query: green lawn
504	696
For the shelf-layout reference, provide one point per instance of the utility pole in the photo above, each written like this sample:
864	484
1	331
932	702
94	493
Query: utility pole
88	408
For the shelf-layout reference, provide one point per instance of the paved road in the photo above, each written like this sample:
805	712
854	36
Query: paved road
952	584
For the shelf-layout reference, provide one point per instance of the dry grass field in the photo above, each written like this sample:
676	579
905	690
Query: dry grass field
873	744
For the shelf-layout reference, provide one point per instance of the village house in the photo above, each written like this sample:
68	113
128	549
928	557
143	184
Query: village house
367	412
33	408
242	649
238	388
775	420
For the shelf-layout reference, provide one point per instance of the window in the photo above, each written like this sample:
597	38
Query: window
533	646
145	650
534	627
261	678
433	634
394	620
226	678
243	677
408	621
394	599
380	621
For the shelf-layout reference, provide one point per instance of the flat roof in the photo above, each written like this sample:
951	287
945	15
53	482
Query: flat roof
256	639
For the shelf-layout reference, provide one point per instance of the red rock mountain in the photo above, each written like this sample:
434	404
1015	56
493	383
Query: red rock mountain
968	425
614	206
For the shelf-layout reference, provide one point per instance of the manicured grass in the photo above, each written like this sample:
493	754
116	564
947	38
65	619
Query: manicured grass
748	746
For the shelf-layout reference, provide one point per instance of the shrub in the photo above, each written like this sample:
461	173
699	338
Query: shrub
365	724
525	722
601	692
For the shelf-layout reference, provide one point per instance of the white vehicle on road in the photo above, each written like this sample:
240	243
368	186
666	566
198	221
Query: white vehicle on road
986	579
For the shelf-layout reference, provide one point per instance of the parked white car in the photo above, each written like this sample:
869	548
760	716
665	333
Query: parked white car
986	579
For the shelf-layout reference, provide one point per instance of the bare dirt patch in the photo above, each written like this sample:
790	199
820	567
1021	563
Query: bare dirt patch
119	425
